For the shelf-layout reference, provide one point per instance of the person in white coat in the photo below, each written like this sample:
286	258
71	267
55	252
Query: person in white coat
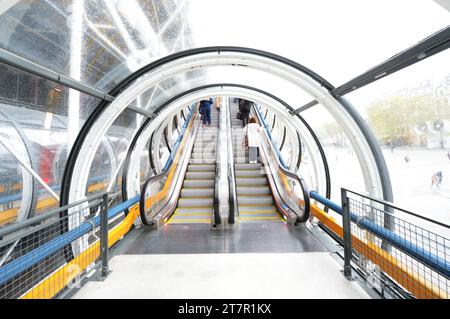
253	133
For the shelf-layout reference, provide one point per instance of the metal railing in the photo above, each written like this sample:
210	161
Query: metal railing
417	263
216	204
232	193
155	194
292	188
55	249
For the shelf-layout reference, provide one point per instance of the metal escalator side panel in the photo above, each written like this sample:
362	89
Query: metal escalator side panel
197	200
165	197
284	184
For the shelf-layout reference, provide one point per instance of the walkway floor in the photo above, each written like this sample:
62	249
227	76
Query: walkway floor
254	237
245	275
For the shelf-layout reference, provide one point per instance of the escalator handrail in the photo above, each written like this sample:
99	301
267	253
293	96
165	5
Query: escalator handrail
167	166
216	208
232	195
283	167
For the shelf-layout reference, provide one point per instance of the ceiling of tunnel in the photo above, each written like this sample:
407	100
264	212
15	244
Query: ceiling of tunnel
102	42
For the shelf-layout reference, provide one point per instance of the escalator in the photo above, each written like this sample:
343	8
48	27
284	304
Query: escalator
185	192
254	197
188	190
267	191
196	202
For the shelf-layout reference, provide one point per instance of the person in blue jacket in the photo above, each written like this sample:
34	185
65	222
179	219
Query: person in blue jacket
205	110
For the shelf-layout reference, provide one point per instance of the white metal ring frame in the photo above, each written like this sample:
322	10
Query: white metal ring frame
275	106
170	69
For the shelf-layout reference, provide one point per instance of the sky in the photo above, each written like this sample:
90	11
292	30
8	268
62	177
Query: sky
337	39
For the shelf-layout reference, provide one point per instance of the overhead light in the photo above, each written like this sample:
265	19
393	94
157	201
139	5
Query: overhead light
422	55
380	75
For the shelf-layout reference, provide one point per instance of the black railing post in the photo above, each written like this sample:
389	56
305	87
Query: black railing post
104	235
346	234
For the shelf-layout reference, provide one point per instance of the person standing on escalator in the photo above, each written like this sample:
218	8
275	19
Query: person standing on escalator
205	110
252	139
244	108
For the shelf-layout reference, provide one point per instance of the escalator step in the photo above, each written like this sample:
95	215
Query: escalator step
251	181
261	219
253	209
255	200
207	149
202	168
249	173
200	175
190	210
200	160
198	183
240	159
195	202
197	192
247	166
253	190
203	155
191	220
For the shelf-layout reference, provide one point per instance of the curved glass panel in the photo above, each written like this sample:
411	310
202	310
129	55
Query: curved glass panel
307	168
145	169
345	169
107	167
102	42
10	175
409	113
48	122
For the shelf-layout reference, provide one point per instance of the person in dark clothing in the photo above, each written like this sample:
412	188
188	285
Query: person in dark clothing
244	108
205	110
439	177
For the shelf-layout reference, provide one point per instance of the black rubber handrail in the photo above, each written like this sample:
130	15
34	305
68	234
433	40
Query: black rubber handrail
232	195
217	218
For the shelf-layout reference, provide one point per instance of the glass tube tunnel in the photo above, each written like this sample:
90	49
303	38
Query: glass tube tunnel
99	98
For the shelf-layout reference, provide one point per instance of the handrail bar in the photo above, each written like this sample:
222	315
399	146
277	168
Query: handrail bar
22	263
168	165
232	193
216	204
435	262
33	220
282	166
381	201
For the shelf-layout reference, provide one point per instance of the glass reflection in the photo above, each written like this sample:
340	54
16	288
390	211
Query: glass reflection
409	113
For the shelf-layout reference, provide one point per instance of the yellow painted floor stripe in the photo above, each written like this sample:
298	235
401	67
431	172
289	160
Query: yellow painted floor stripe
260	218
196	207
259	212
256	195
259	186
193	214
255	205
190	221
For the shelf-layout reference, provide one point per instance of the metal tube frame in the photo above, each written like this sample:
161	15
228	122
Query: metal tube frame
152	66
347	235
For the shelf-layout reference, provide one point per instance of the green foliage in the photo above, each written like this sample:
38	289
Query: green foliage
396	116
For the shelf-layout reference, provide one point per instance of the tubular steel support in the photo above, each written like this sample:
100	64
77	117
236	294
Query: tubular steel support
347	235
40	71
104	236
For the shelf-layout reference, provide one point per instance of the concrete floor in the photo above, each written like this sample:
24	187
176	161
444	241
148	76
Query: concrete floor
238	275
